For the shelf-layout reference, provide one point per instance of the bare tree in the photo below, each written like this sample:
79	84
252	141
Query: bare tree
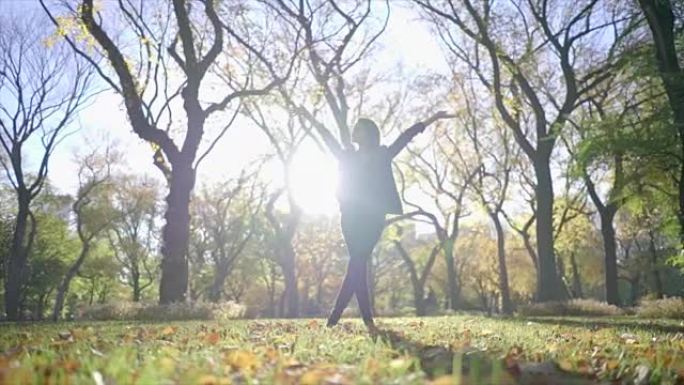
537	59
445	171
337	37
495	153
178	50
133	235
418	278
319	254
229	214
285	136
93	213
42	91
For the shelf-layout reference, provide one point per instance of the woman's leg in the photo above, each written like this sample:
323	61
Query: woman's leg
373	232
361	233
346	292
363	295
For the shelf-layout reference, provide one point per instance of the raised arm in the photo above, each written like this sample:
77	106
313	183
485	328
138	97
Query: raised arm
414	130
405	138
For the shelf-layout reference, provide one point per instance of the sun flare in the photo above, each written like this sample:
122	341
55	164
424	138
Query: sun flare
314	180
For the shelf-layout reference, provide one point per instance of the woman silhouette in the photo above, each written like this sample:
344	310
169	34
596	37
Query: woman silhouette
367	192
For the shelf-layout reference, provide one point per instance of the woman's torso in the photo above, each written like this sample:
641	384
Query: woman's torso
366	182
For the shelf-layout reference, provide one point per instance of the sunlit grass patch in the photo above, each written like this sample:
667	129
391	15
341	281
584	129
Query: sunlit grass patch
441	350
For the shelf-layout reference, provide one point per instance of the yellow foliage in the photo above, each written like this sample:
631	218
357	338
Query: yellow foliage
209	379
242	361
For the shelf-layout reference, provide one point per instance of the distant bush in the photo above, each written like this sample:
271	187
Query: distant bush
661	308
176	312
109	311
575	307
228	310
132	311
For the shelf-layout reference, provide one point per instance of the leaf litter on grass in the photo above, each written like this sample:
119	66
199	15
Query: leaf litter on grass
440	350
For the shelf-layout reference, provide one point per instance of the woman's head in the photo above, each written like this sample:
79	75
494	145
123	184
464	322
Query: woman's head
366	133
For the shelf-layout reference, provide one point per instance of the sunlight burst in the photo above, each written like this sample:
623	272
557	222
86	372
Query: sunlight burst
314	180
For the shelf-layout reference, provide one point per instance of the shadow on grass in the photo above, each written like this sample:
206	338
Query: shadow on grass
593	324
472	366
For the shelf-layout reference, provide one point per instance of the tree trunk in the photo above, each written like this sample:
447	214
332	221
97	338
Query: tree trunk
416	284
419	301
527	241
576	280
506	304
63	288
284	250
635	294
136	287
548	285
16	265
452	286
102	294
176	234
609	247
657	281
291	293
219	280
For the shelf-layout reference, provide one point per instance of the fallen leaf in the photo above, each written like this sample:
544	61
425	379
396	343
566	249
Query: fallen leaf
212	338
241	360
642	374
444	380
400	363
335	379
209	379
65	336
97	378
629	338
312	377
96	352
313	324
70	366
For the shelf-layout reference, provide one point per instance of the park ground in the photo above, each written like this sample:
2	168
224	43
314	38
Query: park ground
460	349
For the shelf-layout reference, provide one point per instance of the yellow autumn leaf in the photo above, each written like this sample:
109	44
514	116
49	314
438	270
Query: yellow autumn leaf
312	377
241	360
565	365
612	364
401	363
209	379
443	380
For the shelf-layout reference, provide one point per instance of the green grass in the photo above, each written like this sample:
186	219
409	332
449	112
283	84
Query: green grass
411	351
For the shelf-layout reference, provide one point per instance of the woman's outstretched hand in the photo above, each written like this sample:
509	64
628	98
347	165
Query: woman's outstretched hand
439	115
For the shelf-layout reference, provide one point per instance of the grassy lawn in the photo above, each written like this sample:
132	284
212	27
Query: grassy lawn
439	350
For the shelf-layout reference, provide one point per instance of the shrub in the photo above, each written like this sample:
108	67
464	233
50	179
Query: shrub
175	312
109	311
229	310
132	311
661	308
575	307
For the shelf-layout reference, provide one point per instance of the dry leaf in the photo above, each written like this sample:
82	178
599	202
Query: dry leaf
443	380
241	360
169	330
212	338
